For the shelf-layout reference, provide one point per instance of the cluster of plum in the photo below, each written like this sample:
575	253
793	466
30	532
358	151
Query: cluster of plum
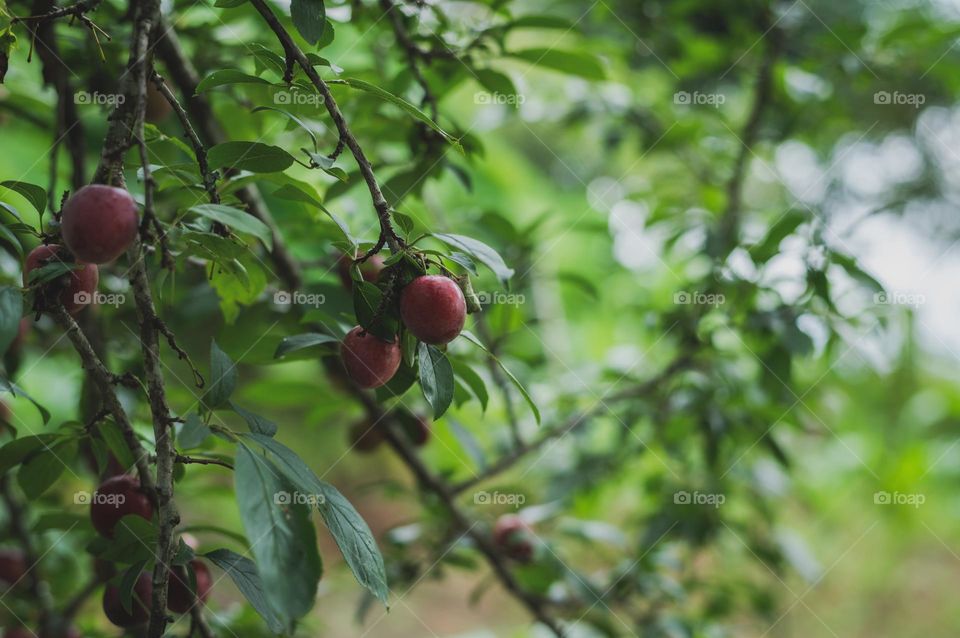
120	496
432	308
98	223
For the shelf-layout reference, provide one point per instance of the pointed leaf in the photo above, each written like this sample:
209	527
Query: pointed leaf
245	576
436	378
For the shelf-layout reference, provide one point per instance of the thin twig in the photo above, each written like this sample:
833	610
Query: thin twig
730	220
573	423
186	79
104	382
180	458
126	126
534	604
413	52
198	623
293	52
209	177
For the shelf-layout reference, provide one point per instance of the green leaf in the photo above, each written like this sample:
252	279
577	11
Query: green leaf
14	452
409	108
134	539
127	583
299	342
581	282
50	271
193	433
34	194
238	220
223	378
250	156
11	311
6	385
292	118
245	576
13	211
319	60
310	18
227	76
43	469
850	265
474	381
113	437
10	238
584	65
405	222
255	422
479	251
366	301
497	84
468	442
294	193
770	245
464	260
282	536
297	193
469	336
347	527
398	384
436	378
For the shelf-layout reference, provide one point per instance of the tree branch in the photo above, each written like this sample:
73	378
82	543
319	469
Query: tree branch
573	423
126	126
209	178
730	220
293	52
186	79
180	458
76	10
413	53
104	382
198	624
439	488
